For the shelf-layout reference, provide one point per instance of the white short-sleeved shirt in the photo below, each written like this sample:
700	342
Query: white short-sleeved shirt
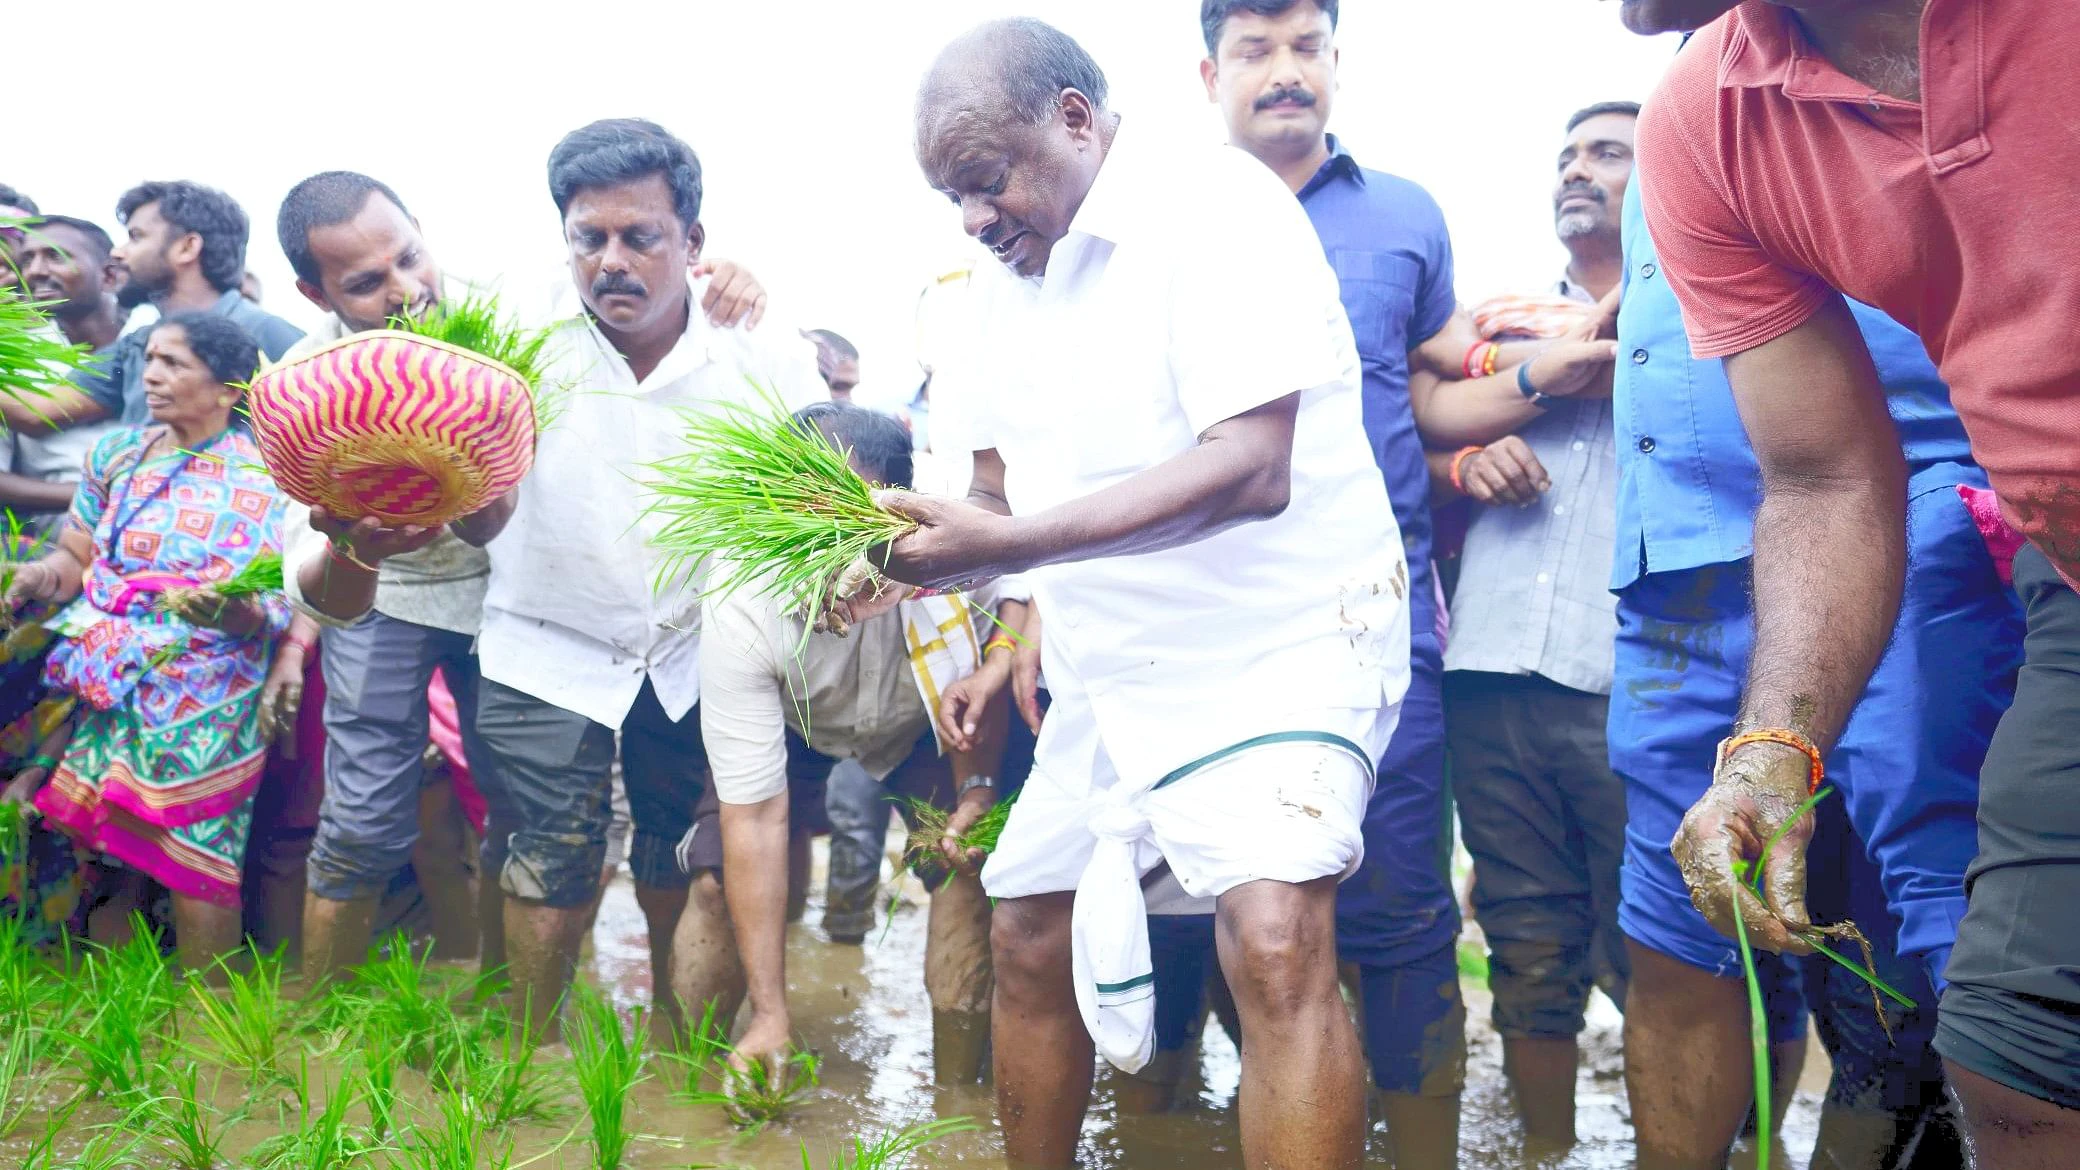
573	615
1190	289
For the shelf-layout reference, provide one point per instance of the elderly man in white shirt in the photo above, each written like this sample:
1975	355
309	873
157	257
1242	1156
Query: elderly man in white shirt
580	637
780	705
1168	445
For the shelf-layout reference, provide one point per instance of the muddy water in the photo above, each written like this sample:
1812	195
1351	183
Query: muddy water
864	1010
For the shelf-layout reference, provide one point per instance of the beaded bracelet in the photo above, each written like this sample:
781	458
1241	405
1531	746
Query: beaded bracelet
1788	738
1458	461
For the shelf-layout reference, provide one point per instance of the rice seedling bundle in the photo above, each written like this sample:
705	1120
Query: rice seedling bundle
262	574
607	1062
771	497
755	1095
419	423
921	851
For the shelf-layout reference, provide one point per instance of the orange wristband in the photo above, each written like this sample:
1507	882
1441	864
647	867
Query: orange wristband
1002	640
1458	461
1788	738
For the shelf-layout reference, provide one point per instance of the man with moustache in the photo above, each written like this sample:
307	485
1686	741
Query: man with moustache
1222	723
1528	668
186	253
1788	153
1271	67
578	641
66	263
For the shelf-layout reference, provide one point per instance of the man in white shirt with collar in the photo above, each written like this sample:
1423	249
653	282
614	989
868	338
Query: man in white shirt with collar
578	639
1168	445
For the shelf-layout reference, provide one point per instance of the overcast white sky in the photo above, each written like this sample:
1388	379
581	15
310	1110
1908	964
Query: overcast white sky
800	110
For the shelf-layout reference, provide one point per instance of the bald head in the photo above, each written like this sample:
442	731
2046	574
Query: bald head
1012	127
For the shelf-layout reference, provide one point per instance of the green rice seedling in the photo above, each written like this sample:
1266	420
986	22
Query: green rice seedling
771	496
500	1077
607	1061
20	549
188	1122
756	1095
459	1142
921	850
245	1021
24	1075
1758	1038
318	1136
476	323
894	1149
706	1042
1752	874
131	990
379	1063
33	356
395	1000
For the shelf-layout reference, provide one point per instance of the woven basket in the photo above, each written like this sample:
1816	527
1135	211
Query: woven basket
388	424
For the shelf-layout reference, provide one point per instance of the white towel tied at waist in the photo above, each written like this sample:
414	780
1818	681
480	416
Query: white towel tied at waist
1108	931
1263	809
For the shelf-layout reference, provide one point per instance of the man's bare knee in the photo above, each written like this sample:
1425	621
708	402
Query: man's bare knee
1029	947
1277	957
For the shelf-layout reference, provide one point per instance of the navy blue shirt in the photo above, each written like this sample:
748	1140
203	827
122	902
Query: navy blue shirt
1688	485
117	381
1386	238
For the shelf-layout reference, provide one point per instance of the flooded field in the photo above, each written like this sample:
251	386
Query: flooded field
862	1009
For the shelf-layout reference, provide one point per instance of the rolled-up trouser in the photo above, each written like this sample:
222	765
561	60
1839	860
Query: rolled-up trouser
1276	807
1544	820
857	811
376	675
553	787
2012	1011
1906	767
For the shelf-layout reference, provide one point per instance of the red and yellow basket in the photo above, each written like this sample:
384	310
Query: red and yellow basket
389	424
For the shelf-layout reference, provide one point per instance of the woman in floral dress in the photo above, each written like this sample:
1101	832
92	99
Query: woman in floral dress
165	751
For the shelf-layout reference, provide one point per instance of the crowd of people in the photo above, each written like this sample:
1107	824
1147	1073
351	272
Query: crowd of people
1747	539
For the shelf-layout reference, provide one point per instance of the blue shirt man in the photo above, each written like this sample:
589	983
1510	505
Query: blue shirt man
1386	239
1906	769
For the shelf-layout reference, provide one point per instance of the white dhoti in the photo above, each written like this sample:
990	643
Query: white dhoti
1284	805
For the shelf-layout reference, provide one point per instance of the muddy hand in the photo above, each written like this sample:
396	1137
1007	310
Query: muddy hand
1759	787
972	808
761	1056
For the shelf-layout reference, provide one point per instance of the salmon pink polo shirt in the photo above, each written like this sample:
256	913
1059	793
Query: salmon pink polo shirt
1774	178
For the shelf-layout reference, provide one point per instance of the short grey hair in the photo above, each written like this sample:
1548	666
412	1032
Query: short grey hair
1030	60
